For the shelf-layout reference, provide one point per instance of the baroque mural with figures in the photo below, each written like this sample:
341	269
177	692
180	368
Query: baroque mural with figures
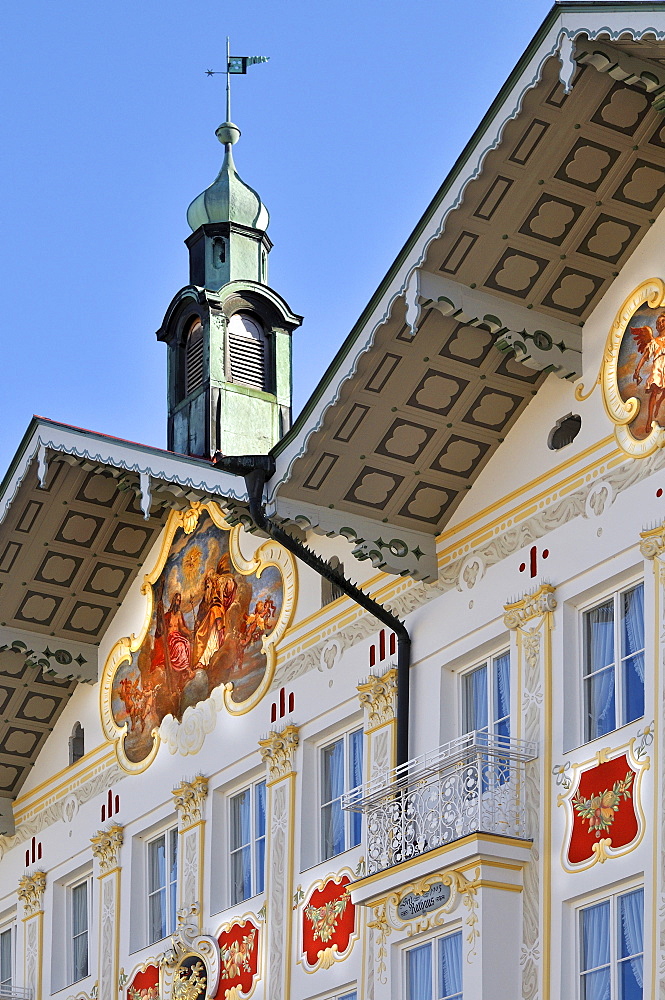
212	621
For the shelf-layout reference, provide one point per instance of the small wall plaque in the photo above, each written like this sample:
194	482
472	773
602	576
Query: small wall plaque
414	904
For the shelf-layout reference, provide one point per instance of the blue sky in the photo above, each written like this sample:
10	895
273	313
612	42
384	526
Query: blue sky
108	133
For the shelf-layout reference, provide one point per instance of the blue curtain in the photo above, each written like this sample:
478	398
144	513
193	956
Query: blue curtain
332	817
633	653
419	973
476	700
599	670
596	952
450	967
355	779
631	937
260	835
502	695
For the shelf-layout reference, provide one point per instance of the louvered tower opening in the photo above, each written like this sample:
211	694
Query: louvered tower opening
247	351
194	357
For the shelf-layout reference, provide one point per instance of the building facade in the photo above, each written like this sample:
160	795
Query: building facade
226	770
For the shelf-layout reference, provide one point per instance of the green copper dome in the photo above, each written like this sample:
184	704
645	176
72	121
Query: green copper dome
228	199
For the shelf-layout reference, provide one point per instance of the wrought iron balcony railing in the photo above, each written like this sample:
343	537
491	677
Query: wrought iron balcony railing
15	993
475	784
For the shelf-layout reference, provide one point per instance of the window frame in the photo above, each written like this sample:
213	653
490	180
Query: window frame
70	887
486	661
252	787
614	960
9	927
432	941
603	597
171	835
353	822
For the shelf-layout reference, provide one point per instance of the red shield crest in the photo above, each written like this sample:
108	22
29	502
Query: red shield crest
238	957
603	805
328	922
144	985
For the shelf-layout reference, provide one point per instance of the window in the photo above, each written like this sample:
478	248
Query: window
76	744
78	916
613	670
194	357
341	770
248	842
434	970
6	959
486	697
162	885
611	948
247	351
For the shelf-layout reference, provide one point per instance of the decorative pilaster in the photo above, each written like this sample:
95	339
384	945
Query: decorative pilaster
189	798
277	751
652	547
31	893
378	695
106	848
531	620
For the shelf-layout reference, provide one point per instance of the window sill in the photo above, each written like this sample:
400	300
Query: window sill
606	736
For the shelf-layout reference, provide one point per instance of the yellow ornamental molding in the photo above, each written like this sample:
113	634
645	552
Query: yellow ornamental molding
652	542
632	371
31	892
277	751
377	697
105	847
188	798
531	606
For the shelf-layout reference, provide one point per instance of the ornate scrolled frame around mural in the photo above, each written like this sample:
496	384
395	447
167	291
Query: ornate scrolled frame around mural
234	992
201	717
620	412
185	943
602	850
531	618
327	957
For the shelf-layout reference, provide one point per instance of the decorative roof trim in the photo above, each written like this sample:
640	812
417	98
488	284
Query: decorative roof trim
187	473
554	38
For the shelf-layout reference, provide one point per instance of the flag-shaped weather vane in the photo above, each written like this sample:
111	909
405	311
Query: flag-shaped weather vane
234	64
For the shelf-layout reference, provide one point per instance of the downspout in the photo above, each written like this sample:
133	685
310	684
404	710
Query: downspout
257	469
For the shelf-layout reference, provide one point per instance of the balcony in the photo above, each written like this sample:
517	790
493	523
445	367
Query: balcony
15	993
475	784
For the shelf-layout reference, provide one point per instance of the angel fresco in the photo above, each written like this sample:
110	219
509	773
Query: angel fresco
208	626
641	368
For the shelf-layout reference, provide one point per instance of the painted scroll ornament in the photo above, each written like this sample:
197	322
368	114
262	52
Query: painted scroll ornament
212	622
632	372
604	816
328	923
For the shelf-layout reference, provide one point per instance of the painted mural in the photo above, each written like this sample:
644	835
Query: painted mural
211	626
238	959
632	371
328	922
145	984
603	807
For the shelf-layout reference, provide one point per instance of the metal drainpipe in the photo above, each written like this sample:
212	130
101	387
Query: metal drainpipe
257	470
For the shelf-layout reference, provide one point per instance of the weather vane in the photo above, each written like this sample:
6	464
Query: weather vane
234	64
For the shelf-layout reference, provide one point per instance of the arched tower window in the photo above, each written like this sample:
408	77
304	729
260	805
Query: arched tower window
247	350
194	357
76	743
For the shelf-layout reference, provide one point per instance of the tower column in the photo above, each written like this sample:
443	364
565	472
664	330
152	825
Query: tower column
189	799
31	893
106	849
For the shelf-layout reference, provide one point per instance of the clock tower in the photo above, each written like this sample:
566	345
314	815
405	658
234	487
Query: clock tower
228	333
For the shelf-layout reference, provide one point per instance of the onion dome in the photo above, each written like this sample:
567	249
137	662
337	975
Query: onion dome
228	199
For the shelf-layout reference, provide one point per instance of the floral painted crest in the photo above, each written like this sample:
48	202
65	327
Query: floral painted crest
632	372
212	621
145	984
239	960
328	923
604	814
